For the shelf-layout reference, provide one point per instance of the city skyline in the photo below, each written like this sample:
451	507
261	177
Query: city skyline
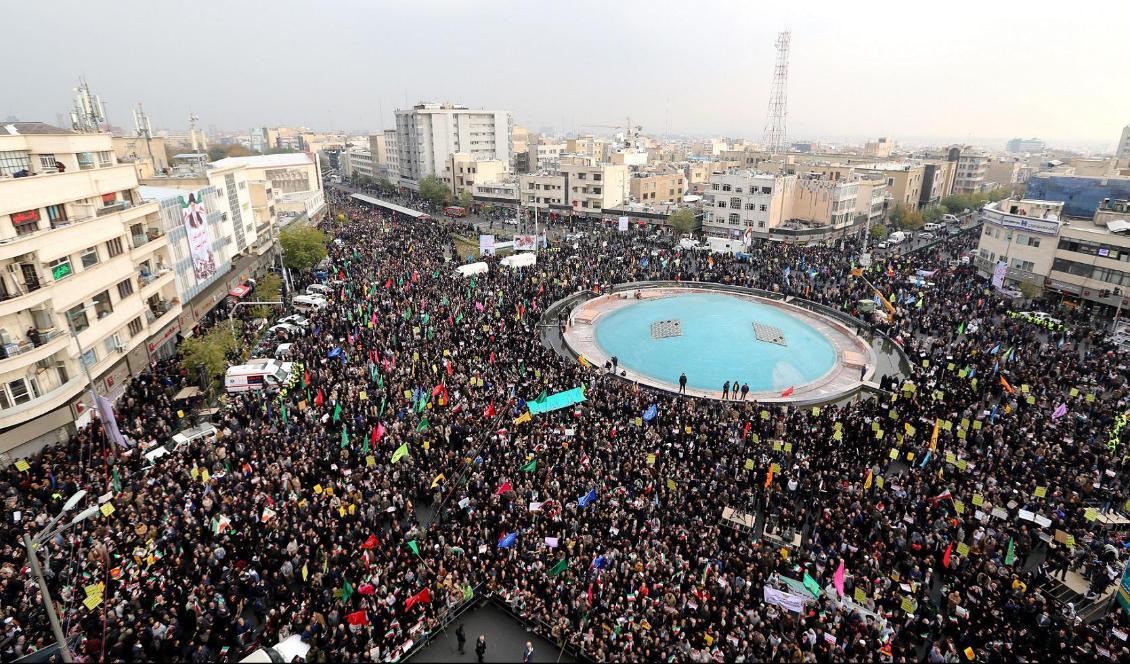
588	64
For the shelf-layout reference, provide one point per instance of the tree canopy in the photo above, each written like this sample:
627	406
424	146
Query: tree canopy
434	190
682	220
209	352
303	247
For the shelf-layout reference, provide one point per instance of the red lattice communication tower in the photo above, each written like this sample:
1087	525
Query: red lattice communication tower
774	138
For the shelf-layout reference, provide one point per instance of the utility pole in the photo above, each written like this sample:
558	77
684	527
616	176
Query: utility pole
56	626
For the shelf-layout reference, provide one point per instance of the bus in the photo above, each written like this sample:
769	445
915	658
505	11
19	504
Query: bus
455	211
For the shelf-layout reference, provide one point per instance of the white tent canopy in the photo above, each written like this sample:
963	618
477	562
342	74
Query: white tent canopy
526	259
472	269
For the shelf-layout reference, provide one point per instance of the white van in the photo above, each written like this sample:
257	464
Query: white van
950	219
933	226
257	375
308	303
192	435
897	237
321	290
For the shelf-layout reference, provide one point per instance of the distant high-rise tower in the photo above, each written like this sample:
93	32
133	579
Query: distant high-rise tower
778	98
88	114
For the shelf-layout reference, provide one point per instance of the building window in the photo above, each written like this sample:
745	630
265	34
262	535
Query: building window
726	187
26	222
57	215
750	206
102	306
13	161
89	257
90	358
76	318
135	324
114	247
764	207
105	158
47	162
60	268
734	219
112	343
721	204
766	190
23	390
85	160
125	288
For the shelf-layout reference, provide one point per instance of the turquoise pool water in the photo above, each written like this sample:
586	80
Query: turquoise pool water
718	343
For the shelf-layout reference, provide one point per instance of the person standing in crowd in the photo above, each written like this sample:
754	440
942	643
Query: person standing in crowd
683	383
528	653
725	390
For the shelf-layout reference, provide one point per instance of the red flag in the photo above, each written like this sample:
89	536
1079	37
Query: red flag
318	400
492	357
788	392
490	412
370	543
367	589
503	489
378	433
388	284
590	594
357	618
745	434
946	556
306	378
419	598
437	389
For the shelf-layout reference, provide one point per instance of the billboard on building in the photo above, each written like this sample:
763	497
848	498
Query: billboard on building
623	225
195	218
525	243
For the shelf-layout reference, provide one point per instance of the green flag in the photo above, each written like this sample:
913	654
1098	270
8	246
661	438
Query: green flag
401	451
811	585
468	592
337	412
542	397
424	424
346	591
560	567
117	482
530	467
1010	557
415	547
344	439
364	446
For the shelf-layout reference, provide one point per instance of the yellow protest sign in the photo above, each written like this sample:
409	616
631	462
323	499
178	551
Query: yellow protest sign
204	476
651	459
816	411
894	454
909	605
329	491
370	461
1024	388
364	396
688	430
879	481
962	549
962	464
978	499
860	596
879	434
976	425
910	430
92	601
340	511
959	506
1090	397
318	489
1075	391
777	446
1091	513
427	444
775	467
749	464
1041	491
670	484
22	465
107	509
788	447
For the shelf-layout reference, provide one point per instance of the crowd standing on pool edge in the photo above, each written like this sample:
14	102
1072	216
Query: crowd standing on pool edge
594	525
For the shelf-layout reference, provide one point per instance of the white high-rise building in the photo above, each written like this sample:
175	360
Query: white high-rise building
1123	150
87	287
428	134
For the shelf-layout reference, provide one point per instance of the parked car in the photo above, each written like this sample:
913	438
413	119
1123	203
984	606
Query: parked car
297	320
1045	316
926	235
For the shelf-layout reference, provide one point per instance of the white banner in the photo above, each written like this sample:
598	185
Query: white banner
623	224
999	272
525	243
486	245
794	603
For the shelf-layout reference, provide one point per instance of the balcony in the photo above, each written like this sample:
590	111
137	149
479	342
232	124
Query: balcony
153	281
24	352
140	240
111	209
42	404
25	296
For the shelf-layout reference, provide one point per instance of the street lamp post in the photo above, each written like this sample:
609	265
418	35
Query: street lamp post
33	544
82	360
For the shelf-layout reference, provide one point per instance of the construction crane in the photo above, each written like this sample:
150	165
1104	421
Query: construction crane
630	130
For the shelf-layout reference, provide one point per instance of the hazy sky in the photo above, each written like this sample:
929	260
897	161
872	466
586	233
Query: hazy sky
984	70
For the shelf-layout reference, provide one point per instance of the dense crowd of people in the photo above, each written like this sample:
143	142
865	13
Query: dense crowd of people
400	475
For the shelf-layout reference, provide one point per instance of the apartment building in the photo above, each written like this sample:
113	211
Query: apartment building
85	279
378	149
743	199
937	181
1025	146
969	176
1019	238
545	153
904	180
591	186
663	185
542	190
148	156
1123	149
391	167
295	180
461	171
357	161
588	146
1002	172
699	172
879	148
1082	195
502	192
428	134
